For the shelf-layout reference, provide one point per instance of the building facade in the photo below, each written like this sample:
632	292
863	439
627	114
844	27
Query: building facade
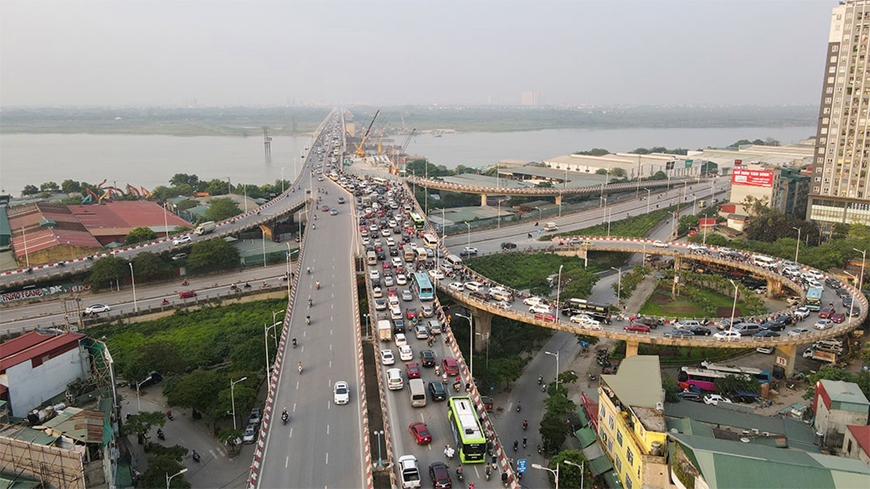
838	404
840	187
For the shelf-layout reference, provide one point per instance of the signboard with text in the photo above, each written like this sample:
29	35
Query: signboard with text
752	178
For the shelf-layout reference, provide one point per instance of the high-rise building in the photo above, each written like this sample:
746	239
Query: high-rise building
533	99
840	186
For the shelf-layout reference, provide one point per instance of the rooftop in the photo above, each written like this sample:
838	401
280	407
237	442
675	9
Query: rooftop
862	435
848	392
33	345
638	384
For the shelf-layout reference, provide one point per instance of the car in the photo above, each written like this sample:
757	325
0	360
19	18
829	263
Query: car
387	357
380	305
420	432
410	313
456	286
421	332
823	324
847	302
398	325
374	274
437	274
427	310
405	353
450	366
340	392
678	333
801	313
637	328
407	295
333	212
689	396
826	312
580	318
798	332
507	245
475	286
186	294
401	279
838	317
179	256
400	340
503	305
377	292
715	399
325	208
685	324
440	475
649	321
766	334
468	251
540	308
700	331
412	370
660	244
533	300
427	358
843	293
727	335
833	283
341	200
250	434
437	390
255	417
182	240
773	326
434	326
388	280
97	308
766	350
794	300
546	316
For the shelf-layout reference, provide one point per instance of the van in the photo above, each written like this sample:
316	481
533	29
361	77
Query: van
829	345
499	294
430	241
453	260
551	226
394	379
409	253
746	329
417	391
763	261
371	258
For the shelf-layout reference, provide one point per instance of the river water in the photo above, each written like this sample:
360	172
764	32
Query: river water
149	161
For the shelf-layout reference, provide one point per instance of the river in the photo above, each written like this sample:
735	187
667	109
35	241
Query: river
149	161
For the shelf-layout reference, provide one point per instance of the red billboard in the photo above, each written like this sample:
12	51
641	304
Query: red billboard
752	178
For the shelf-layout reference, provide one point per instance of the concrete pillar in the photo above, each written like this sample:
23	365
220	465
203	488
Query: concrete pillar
789	353
558	200
267	231
678	263
774	287
483	200
482	326
631	348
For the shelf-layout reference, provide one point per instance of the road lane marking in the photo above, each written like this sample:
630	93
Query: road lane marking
286	461
327	429
327	458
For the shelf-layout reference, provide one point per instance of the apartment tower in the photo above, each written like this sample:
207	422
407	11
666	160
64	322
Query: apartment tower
840	186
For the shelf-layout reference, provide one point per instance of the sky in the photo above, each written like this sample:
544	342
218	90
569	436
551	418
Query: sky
288	52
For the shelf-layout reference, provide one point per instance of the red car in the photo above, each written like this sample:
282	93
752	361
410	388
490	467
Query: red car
411	313
420	432
546	316
826	312
450	366
413	370
637	328
185	294
325	208
392	291
838	317
386	265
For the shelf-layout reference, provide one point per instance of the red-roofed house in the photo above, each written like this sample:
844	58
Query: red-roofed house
114	220
856	443
38	366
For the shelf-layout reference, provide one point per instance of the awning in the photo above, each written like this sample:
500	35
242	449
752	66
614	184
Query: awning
600	465
585	436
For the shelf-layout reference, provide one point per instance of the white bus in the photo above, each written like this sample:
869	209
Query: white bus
430	241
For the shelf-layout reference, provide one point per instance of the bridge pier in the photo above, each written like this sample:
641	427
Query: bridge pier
267	231
483	200
774	287
559	200
482	326
789	354
631	348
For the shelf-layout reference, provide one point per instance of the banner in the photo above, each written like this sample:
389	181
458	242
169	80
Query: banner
752	178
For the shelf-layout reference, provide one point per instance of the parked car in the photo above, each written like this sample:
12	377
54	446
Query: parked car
250	434
255	417
715	399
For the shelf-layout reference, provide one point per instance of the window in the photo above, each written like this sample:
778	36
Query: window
610	446
619	437
629	456
618	464
610	421
627	481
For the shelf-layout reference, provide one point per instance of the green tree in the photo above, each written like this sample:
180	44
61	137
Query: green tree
215	187
141	423
198	390
228	437
49	187
107	271
29	190
69	186
221	209
147	265
160	355
546	184
214	254
593	152
140	235
506	370
158	467
164	193
569	474
184	179
554	431
618	172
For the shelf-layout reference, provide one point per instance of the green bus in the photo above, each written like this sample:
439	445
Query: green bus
418	221
467	432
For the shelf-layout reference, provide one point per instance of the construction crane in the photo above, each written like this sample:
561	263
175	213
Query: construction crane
360	150
395	169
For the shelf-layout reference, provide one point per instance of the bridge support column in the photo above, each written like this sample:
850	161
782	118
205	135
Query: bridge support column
483	200
631	348
482	327
789	354
558	200
774	287
267	232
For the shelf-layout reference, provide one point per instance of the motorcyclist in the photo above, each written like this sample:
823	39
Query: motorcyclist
525	424
317	285
308	319
308	270
516	445
299	367
294	346
310	303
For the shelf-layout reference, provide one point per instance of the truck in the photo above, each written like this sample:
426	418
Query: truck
409	471
385	330
814	298
821	355
551	226
205	228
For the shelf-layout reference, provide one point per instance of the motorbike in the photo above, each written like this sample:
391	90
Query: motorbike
310	302
308	271
539	448
525	425
285	417
195	456
308	320
525	441
317	285
456	386
459	474
516	445
169	415
185	282
294	342
540	379
519	406
160	434
247	285
543	387
165	302
299	368
234	287
488	471
504	479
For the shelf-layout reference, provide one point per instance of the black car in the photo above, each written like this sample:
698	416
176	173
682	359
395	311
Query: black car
784	319
437	391
847	302
507	245
699	331
678	333
478	295
843	293
833	283
398	325
394	251
651	322
427	358
766	334
440	476
772	326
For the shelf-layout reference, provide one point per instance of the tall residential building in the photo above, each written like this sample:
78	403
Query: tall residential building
533	99
840	187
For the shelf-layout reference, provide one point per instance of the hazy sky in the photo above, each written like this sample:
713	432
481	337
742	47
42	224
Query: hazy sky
151	52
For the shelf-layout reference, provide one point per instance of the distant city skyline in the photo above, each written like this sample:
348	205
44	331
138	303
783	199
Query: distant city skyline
387	53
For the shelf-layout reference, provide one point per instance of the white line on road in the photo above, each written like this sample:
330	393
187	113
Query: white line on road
327	429
286	461
327	458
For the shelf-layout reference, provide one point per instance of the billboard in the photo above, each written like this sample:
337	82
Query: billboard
752	178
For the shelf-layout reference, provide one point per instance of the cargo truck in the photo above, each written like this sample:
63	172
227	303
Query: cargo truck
205	228
814	298
821	355
385	330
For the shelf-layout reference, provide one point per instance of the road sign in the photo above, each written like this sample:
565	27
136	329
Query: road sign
521	466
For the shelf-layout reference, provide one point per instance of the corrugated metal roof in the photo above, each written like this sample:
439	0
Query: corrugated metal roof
48	344
847	392
82	425
862	435
638	382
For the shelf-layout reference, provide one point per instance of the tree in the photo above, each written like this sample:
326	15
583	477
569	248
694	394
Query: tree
214	254
107	271
545	184
215	187
569	474
141	423
198	390
159	355
49	187
29	190
164	193
147	265
228	437
184	179
69	186
593	152
140	235
553	431
158	468
222	209
618	172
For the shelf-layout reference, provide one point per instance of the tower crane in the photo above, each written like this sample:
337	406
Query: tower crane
360	150
395	169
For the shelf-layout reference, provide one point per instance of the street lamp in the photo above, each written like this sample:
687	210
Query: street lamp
539	212
468	233
798	245
169	478
367	325
554	472
733	307
558	289
470	345
499	214
648	197
133	280
233	398
380	458
581	467
557	364
618	284
266	329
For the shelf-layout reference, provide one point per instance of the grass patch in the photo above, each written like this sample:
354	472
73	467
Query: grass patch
673	355
661	304
630	227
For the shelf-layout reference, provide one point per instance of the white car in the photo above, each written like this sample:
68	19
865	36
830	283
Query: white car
456	286
340	392
727	336
401	279
377	292
531	301
503	305
374	274
580	318
470	250
540	309
407	295
400	340
95	308
660	244
473	286
437	274
182	240
824	324
387	357
388	280
405	353
715	399
250	434
396	312
396	261
801	313
591	324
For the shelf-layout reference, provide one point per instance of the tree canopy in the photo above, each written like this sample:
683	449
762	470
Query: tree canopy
221	209
140	235
107	271
214	254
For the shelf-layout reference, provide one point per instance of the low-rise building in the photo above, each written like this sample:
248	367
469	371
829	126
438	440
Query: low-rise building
856	443
838	404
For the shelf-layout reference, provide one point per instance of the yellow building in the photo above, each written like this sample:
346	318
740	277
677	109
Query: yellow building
631	422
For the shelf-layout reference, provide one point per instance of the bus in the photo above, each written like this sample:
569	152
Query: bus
379	180
699	378
418	221
762	376
423	287
467	432
598	312
430	241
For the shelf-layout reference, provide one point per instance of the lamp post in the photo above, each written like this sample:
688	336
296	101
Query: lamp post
367	324
608	222
554	472
648	197
499	214
133	281
733	307
380	458
557	365
169	477
165	223
618	284
604	216
539	212
470	344
581	467
233	397
288	271
560	201
558	289
798	245
468	234
266	329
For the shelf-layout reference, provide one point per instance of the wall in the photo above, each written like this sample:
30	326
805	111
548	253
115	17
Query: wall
30	387
852	449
